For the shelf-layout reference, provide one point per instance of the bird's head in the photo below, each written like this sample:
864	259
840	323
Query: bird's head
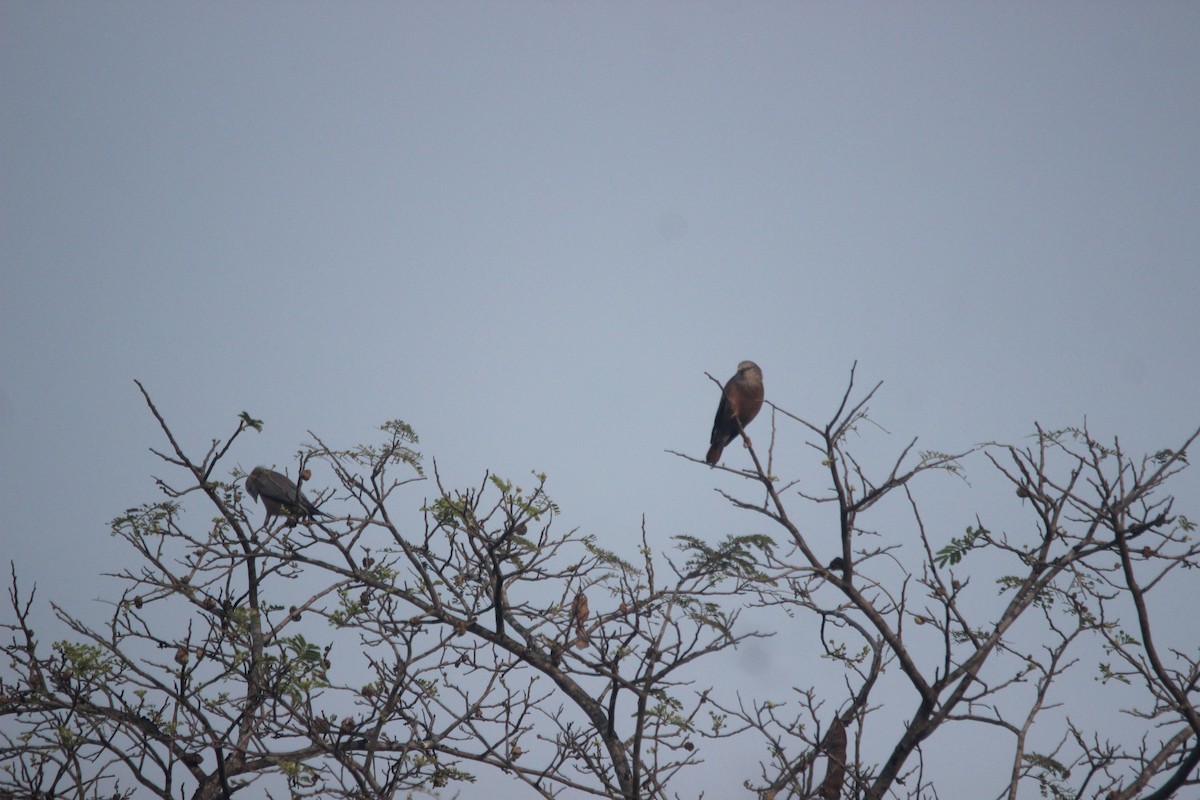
749	368
252	481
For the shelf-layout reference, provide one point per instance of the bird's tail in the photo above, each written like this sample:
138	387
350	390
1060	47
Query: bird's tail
714	454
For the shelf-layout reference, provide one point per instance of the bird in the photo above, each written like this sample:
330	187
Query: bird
279	495
579	615
740	402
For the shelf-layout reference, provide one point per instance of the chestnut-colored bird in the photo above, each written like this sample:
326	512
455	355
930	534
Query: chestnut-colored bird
279	494
579	615
740	403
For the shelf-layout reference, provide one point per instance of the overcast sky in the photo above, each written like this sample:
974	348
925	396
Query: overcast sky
529	229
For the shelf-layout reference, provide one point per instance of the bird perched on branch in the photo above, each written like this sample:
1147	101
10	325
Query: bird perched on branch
579	615
740	403
279	495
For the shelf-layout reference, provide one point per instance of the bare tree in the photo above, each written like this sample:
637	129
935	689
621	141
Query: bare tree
1098	535
422	635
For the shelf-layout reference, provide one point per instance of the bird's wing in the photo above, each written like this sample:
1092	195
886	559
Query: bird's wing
282	490
279	488
724	428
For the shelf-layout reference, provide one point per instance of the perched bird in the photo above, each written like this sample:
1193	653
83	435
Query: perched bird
279	494
579	615
740	403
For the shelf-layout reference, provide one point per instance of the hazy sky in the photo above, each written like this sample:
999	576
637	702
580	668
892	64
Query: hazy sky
529	229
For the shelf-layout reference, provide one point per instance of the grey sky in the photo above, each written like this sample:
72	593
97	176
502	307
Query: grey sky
528	229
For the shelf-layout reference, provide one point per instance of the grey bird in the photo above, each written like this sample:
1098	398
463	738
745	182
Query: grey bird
740	403
279	495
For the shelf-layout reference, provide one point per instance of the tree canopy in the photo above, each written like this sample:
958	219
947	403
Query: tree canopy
423	638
